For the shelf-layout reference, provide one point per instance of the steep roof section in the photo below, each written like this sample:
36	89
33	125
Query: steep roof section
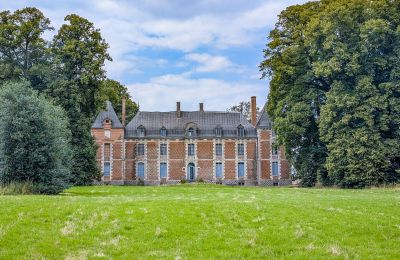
206	122
263	120
110	114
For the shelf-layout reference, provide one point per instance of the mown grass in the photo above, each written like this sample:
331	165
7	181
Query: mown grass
202	222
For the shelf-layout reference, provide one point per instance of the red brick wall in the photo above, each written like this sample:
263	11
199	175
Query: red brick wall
130	148
205	150
230	150
152	150
285	169
176	171
116	173
206	169
177	150
265	169
230	170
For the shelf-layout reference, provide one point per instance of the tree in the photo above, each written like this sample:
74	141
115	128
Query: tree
79	54
34	140
23	51
113	91
244	107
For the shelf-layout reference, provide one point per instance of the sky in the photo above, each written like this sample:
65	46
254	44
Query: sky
178	50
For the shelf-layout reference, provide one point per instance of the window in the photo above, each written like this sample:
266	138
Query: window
240	149
163	170
275	169
191	149
218	170
274	150
107	134
240	131
140	149
141	131
190	132
241	170
218	131
218	149
140	170
107	152
163	132
163	149
106	169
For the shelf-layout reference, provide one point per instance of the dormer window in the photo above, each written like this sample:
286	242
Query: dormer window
107	121
191	132
218	131
163	132
141	131
240	131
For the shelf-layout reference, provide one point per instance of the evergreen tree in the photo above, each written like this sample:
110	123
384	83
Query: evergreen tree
34	140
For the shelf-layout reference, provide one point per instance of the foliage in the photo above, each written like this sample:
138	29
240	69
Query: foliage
244	107
334	94
202	222
34	140
113	91
18	188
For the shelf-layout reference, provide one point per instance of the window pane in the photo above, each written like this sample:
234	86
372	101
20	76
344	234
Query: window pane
140	149
240	170
218	170
240	149
163	149
191	149
140	170
106	152
218	149
163	170
106	171
275	170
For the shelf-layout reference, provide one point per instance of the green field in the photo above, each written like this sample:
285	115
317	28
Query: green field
202	221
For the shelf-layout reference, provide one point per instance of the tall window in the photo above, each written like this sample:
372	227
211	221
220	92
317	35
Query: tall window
107	159
218	149
190	131
240	149
163	170
241	170
218	170
140	170
274	150
240	131
140	149
191	149
275	169
141	131
163	132
163	149
218	131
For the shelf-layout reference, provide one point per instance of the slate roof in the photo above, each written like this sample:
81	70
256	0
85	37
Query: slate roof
205	123
263	121
110	114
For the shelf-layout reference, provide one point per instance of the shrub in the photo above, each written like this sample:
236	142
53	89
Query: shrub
34	140
183	181
14	188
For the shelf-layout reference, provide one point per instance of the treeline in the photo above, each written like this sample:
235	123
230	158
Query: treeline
334	94
50	92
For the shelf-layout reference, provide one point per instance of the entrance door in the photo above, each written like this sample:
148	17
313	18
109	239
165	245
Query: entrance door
191	172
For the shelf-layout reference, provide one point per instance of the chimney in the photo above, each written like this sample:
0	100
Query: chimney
178	109
253	111
201	107
123	110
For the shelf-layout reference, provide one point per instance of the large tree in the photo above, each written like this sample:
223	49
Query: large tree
34	140
79	54
244	107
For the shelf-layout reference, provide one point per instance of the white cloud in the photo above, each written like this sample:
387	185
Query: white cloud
209	63
161	93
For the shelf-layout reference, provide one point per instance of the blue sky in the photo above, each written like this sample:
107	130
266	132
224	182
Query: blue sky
189	51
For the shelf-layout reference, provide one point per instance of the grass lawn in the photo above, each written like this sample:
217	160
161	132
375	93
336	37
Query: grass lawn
204	221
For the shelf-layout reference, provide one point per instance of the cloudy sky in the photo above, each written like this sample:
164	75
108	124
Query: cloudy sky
178	50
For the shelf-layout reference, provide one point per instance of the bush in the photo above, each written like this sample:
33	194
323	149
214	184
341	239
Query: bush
183	181
17	188
34	140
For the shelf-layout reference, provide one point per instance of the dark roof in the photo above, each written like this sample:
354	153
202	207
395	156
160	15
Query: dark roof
110	114
205	123
263	120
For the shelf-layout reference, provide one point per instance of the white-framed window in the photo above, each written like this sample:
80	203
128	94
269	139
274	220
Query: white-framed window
240	149
218	131
163	149
218	149
240	170
240	131
191	149
106	169
191	132
140	170
218	170
275	169
163	170
106	159
140	149
141	131
163	132
274	149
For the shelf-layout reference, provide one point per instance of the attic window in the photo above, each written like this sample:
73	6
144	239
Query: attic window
107	121
190	132
218	131
240	131
141	131
163	132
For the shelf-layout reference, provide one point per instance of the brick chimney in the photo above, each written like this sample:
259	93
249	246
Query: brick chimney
123	110
178	109
201	107
253	111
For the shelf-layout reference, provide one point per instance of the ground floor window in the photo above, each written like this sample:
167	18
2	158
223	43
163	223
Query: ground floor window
106	169
140	170
218	170
163	170
275	169
240	170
